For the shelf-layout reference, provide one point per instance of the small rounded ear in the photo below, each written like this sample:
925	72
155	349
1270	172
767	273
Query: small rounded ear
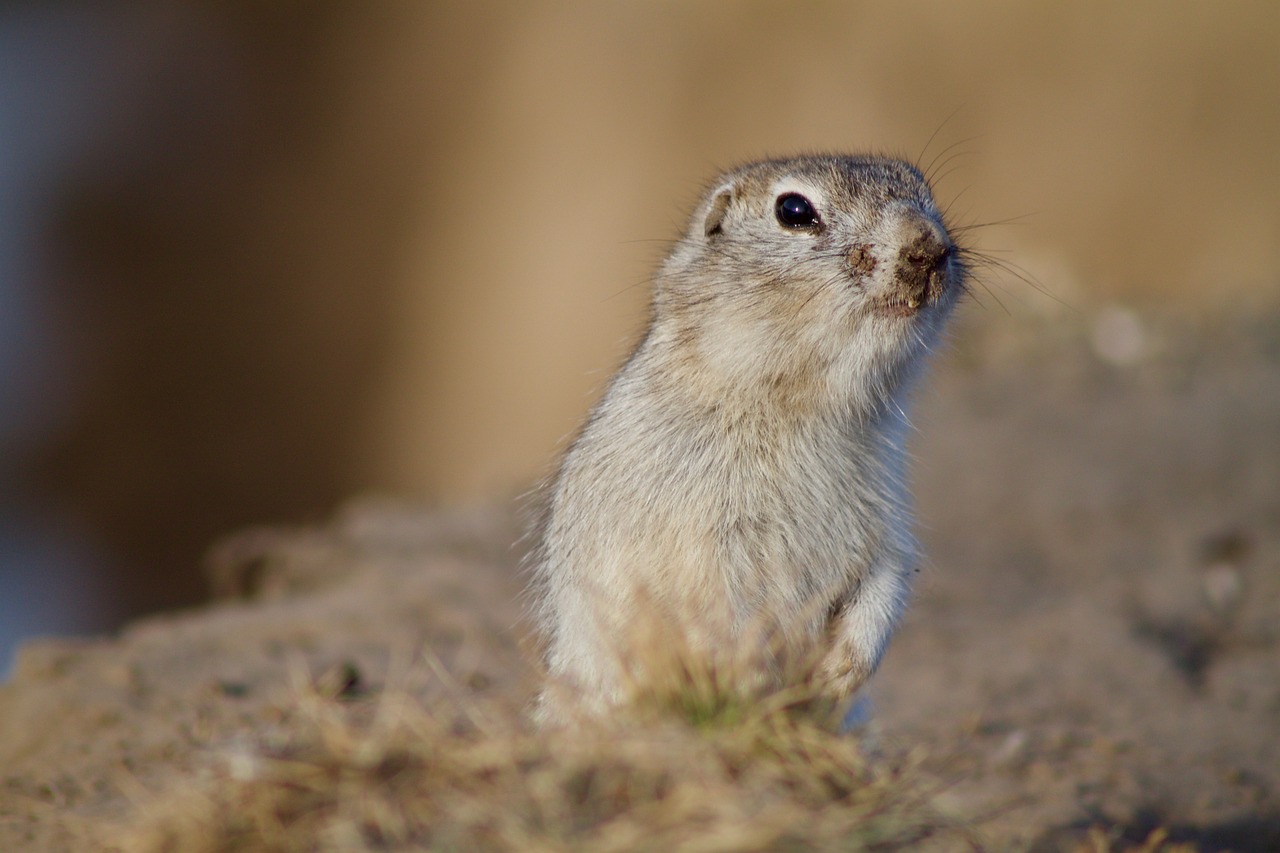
713	224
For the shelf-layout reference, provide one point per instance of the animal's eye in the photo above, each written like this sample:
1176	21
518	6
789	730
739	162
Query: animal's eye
795	211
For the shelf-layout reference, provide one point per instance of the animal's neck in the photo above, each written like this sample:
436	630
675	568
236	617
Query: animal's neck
798	393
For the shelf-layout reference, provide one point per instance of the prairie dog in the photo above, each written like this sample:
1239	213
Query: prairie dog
745	467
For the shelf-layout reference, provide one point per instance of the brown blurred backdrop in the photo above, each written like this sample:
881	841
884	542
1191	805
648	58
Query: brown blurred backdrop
262	257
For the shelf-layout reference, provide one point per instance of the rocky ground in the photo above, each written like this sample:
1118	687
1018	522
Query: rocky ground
1094	641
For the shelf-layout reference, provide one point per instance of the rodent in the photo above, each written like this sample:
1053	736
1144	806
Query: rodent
746	465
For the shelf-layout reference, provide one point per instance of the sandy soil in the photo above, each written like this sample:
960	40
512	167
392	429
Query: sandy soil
1093	643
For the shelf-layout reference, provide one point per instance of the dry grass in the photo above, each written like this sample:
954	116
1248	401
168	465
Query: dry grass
694	766
697	762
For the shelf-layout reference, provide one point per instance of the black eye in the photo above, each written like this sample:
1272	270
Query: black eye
796	211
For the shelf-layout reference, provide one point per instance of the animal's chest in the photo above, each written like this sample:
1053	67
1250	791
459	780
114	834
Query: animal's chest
780	517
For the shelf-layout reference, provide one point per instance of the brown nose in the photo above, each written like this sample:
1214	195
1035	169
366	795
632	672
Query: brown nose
921	263
926	250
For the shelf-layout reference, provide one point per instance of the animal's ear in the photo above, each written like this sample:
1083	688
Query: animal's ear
713	224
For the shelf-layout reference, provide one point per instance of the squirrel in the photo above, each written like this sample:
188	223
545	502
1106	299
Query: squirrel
746	465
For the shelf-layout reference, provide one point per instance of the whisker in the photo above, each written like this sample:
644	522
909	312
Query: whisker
940	178
819	289
932	175
983	283
946	211
935	133
1013	270
971	293
1013	220
649	281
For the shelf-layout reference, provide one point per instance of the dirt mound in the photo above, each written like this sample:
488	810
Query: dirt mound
1093	642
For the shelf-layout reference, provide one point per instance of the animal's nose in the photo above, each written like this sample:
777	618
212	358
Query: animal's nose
927	250
922	258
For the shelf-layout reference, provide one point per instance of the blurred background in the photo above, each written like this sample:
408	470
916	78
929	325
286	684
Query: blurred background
256	259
